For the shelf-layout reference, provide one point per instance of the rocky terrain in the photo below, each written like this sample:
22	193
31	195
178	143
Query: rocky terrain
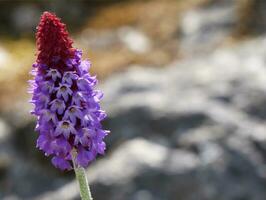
193	129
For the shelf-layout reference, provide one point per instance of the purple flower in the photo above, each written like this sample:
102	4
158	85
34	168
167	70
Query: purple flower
86	82
57	105
63	91
66	104
65	128
84	67
47	116
54	74
44	143
61	146
84	156
47	86
73	113
69	77
61	162
83	137
40	100
78	98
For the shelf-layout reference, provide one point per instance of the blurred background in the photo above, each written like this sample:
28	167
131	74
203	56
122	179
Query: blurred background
185	93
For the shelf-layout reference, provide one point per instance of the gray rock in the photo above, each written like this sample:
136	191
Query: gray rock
204	28
6	153
134	40
251	17
25	17
214	90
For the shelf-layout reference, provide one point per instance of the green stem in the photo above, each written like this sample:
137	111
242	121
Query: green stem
84	187
83	183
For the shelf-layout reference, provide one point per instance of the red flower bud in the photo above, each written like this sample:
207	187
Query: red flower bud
52	39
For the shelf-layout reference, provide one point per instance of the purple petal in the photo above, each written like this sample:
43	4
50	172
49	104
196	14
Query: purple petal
84	157
61	163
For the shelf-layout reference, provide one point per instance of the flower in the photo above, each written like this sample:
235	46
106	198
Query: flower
69	77
65	102
54	74
65	128
73	113
63	91
58	105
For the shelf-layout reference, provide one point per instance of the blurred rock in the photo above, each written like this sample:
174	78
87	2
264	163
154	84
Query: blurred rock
204	92
13	197
25	17
26	172
251	17
98	40
134	40
204	28
130	37
211	105
4	131
6	157
133	167
4	56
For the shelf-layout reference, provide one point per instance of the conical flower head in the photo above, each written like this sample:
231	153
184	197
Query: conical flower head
65	101
52	40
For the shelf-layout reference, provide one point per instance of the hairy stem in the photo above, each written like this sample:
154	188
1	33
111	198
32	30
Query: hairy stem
83	183
81	177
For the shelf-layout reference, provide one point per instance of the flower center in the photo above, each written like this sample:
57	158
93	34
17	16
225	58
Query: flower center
48	86
63	88
58	103
72	109
65	125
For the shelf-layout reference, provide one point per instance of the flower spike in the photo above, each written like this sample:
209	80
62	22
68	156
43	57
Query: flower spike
65	101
